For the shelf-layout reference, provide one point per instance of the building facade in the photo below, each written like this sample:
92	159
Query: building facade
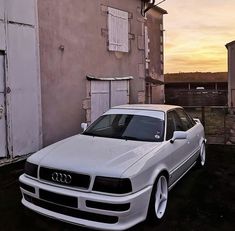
231	73
66	62
93	57
20	93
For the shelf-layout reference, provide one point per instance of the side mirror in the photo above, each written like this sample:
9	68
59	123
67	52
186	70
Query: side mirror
197	120
178	135
84	126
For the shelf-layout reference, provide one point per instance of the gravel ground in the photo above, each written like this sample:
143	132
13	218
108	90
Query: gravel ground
204	200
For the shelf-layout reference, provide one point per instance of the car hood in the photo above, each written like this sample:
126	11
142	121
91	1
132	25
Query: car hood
93	155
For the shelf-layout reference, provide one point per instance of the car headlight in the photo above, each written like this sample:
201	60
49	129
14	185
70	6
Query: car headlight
112	185
31	169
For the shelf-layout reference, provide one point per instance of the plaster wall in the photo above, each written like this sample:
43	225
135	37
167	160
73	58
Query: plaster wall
73	44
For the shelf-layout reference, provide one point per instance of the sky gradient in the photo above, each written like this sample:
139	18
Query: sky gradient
196	32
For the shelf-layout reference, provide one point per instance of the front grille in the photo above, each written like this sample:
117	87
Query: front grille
76	180
58	198
72	212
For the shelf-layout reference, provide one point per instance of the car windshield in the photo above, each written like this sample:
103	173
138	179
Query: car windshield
129	127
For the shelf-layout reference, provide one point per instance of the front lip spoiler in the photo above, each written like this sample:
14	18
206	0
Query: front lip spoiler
137	212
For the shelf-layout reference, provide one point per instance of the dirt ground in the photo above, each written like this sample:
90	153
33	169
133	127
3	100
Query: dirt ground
204	200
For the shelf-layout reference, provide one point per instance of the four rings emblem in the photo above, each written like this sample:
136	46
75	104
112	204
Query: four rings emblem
61	177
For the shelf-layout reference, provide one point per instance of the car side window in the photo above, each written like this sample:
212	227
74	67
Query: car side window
173	124
170	125
185	120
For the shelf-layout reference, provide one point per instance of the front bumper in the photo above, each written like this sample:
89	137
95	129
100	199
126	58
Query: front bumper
85	208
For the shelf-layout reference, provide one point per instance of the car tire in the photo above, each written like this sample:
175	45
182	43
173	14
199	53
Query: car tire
158	200
201	160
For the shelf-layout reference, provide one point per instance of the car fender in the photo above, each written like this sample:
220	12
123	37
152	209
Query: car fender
202	140
158	170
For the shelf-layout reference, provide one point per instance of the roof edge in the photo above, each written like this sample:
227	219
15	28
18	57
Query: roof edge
229	44
159	9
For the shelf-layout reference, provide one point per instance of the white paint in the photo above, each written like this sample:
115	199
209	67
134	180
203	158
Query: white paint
3	147
21	11
118	30
139	112
140	162
24	84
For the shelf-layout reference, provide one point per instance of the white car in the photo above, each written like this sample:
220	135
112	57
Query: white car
118	171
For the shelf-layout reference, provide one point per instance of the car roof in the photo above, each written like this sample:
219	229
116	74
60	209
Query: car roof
154	107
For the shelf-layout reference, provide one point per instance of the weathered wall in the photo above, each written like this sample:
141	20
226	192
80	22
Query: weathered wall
73	44
219	124
155	55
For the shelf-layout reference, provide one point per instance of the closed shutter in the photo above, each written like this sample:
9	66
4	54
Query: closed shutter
99	98
118	30
119	92
107	94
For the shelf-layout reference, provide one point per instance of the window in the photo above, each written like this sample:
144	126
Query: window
173	124
185	119
170	125
125	126
118	30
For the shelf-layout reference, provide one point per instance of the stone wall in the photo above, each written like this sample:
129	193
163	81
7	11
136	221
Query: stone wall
230	129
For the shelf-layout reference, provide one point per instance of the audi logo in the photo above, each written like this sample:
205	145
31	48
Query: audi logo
61	178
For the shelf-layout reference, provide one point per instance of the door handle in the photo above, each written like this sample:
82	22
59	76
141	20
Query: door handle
1	111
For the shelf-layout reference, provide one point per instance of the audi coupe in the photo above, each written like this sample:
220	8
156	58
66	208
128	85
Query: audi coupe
118	171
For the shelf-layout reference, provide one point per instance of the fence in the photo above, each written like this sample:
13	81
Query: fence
196	97
219	123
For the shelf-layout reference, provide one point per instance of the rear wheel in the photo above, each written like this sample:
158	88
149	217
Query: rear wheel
159	198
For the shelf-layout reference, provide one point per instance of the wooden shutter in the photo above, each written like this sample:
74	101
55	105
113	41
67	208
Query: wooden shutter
118	30
119	92
99	98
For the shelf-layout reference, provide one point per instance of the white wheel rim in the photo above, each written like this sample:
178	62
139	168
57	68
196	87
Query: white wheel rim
161	197
203	155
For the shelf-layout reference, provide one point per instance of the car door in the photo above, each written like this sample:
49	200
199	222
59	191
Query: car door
178	150
192	136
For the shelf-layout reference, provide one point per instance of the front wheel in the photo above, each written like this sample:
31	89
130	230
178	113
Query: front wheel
159	198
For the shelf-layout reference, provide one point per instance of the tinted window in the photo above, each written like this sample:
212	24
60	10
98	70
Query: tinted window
173	124
125	126
170	125
185	119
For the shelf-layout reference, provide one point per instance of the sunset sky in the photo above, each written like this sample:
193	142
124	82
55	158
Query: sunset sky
196	34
